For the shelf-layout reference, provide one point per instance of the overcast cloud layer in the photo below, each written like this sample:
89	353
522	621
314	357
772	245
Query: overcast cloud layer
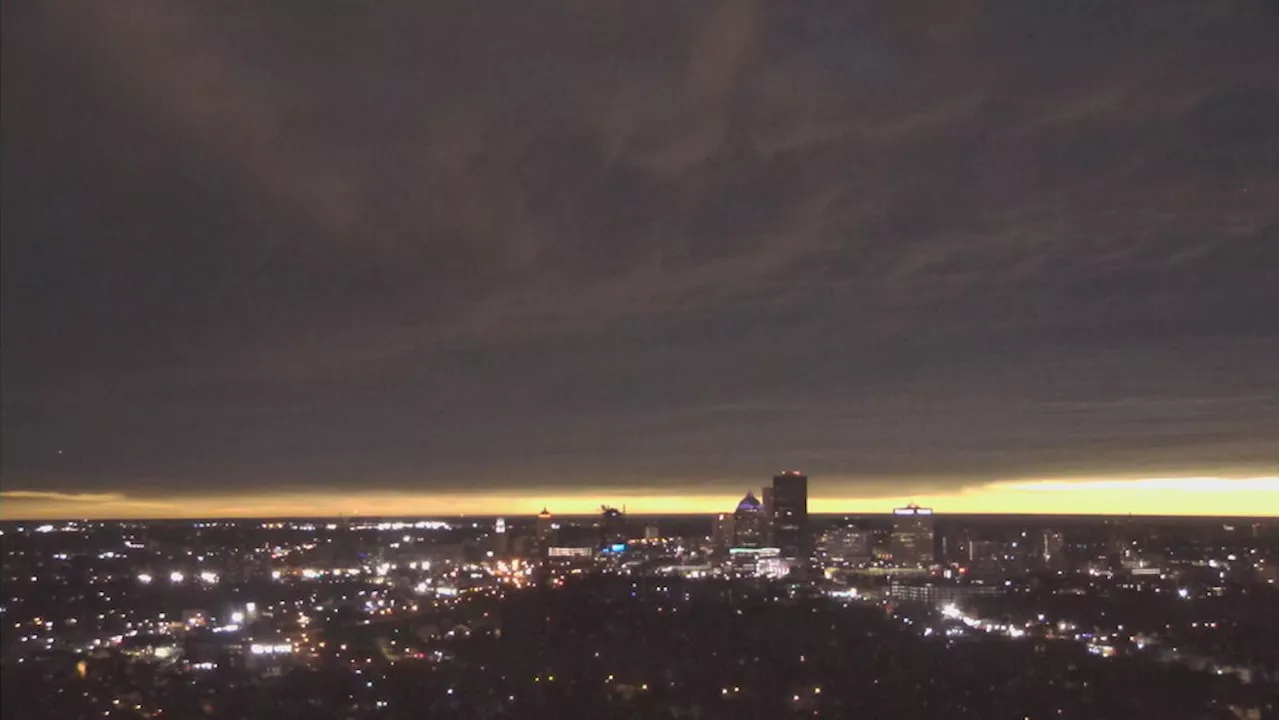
459	245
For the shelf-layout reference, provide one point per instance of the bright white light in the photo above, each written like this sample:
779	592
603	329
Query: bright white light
144	578
950	611
176	577
1183	593
237	617
280	649
208	577
251	607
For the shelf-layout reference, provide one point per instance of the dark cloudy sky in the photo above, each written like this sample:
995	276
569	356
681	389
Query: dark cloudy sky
666	245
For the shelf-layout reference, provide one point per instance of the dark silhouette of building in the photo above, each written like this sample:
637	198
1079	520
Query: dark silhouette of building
791	515
748	523
766	497
613	526
722	532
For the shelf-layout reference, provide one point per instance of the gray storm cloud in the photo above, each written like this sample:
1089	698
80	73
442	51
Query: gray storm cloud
560	244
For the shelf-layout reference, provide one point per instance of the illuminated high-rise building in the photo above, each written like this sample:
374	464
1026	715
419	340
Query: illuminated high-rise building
790	521
912	541
545	530
748	523
498	542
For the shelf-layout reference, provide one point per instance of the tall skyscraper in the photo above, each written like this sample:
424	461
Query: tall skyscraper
748	523
498	543
544	530
912	540
791	515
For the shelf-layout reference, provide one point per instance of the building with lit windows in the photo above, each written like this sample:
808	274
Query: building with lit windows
939	593
912	539
848	545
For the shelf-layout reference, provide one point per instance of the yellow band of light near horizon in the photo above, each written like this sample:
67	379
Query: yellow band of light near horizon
1203	496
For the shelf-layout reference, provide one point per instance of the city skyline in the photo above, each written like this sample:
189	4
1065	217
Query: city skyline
1207	497
992	257
714	360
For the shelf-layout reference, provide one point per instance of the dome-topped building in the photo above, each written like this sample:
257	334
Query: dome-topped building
749	523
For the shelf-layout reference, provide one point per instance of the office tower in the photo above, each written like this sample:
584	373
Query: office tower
849	545
998	557
498	542
722	532
912	540
613	526
791	515
748	523
544	530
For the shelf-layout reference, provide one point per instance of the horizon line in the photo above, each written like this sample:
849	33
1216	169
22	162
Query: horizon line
674	514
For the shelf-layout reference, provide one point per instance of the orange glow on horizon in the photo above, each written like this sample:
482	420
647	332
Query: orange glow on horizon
1245	497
